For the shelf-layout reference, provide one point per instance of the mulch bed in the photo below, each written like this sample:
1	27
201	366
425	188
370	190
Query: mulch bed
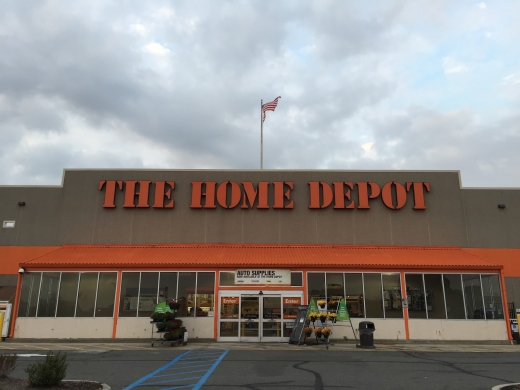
21	384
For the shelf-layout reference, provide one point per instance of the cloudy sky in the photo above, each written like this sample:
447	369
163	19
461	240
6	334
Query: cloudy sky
399	84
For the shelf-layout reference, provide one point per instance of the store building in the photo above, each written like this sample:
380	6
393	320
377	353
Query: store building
414	252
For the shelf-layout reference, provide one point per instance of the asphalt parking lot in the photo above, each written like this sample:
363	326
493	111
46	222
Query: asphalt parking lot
281	366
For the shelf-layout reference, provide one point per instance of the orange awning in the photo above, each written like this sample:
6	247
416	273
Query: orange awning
278	256
508	258
12	256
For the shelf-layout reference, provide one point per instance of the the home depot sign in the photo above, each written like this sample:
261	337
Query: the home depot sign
248	195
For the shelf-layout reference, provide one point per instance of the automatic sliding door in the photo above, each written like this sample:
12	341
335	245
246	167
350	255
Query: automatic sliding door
271	318
250	318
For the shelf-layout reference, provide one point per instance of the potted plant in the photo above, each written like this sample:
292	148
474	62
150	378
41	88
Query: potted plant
326	332
332	304
174	324
174	305
333	317
322	303
323	317
318	332
158	316
313	316
307	331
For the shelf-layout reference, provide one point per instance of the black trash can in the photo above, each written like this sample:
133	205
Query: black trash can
366	334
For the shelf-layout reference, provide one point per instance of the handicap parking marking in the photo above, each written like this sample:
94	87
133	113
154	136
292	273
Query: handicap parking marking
176	373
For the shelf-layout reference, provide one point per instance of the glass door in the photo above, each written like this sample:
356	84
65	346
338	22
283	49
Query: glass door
250	318
271	318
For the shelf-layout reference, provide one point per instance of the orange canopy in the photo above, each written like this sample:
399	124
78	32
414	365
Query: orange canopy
12	256
235	256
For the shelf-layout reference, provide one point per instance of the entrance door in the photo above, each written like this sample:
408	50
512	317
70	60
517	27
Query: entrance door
250	314
260	318
271	323
257	317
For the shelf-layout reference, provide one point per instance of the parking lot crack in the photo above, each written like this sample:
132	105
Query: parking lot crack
454	367
318	382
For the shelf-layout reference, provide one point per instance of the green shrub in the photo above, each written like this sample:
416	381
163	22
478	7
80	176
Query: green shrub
7	364
48	373
158	317
172	324
170	316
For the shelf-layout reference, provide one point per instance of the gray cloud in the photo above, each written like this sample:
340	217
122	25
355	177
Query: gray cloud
174	85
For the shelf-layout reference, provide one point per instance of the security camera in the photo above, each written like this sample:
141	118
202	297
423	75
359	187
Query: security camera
21	270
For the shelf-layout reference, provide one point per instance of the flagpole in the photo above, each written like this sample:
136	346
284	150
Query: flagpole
261	137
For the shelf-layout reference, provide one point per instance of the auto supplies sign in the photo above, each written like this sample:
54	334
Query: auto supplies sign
262	277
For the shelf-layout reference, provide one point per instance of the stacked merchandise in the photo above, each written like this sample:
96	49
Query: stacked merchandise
164	319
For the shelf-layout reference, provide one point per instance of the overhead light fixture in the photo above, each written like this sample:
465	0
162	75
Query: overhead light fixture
21	203
501	206
261	293
21	270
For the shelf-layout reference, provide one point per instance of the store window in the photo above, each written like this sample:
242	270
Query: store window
473	296
167	286
106	294
492	297
205	294
434	296
87	294
316	284
454	296
415	296
335	289
68	294
229	308
226	278
186	294
392	295
48	294
297	279
147	293
373	298
129	294
29	294
354	295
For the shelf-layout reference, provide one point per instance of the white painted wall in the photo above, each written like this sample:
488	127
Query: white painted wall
457	329
386	329
137	328
202	327
63	328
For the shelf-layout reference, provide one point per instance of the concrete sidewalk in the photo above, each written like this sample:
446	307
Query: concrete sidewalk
336	345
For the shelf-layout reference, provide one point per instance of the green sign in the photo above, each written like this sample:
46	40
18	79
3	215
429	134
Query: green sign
342	311
162	308
313	308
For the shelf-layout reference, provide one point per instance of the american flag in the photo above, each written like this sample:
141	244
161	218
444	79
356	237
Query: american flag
269	106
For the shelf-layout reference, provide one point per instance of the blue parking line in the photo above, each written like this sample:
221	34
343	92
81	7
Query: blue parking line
183	367
184	372
181	363
137	383
205	377
172	380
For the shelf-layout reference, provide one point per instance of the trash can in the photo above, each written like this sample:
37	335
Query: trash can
514	330
366	334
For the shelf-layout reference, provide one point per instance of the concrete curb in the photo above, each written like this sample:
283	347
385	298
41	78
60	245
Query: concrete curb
105	386
502	386
213	341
